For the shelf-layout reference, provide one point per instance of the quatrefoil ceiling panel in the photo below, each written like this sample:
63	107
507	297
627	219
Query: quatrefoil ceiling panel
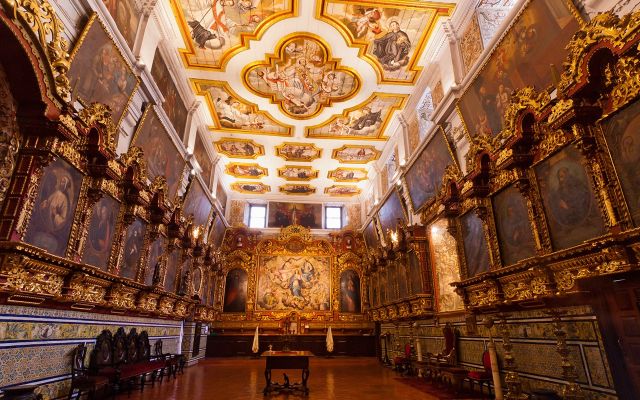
302	94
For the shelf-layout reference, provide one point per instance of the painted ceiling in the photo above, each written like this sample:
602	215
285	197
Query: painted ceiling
302	94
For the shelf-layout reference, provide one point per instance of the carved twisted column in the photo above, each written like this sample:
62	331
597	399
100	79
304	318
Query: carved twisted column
571	390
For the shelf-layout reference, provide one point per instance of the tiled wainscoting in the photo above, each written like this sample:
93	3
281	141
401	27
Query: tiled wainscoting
36	343
534	347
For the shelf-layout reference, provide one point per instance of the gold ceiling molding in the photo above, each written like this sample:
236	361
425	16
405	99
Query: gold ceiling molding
390	34
342	190
353	154
367	120
214	33
239	148
246	170
301	76
348	174
297	189
291	151
297	173
250	187
231	113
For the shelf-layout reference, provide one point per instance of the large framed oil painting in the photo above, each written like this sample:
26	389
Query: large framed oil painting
294	283
216	236
415	272
569	201
126	16
197	204
99	71
235	291
221	195
374	291
283	214
383	286
349	292
153	262
622	133
101	232
424	176
173	105
446	265
161	154
391	211
512	223
171	271
133	247
370	235
523	57
54	208
202	156
476	252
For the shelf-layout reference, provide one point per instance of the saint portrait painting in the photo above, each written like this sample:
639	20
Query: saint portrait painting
101	232
622	133
161	154
424	177
284	214
99	73
173	104
197	204
570	205
390	212
235	292
474	242
54	208
171	272
415	272
349	292
126	16
133	242
535	41
513	226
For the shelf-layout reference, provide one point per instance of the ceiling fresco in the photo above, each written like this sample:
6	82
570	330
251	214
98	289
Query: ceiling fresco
301	96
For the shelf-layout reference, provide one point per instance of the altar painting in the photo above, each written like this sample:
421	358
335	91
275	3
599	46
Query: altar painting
523	58
287	282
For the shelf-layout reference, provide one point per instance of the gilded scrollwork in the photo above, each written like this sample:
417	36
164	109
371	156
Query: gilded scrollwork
18	279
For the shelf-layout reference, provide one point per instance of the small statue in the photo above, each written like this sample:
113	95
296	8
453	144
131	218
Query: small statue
286	381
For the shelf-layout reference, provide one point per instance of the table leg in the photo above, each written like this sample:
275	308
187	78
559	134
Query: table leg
305	376
267	377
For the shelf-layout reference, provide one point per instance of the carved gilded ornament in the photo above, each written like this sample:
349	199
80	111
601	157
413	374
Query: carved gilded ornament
100	114
627	86
19	279
85	291
122	297
148	301
523	99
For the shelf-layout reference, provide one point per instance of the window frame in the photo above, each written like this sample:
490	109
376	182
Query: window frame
264	218
326	217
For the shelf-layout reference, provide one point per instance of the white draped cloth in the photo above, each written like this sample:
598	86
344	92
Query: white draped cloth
329	341
256	342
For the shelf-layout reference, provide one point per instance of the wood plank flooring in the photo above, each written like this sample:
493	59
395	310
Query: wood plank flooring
243	379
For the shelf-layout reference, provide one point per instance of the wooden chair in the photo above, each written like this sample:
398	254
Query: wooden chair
482	377
403	364
447	358
81	381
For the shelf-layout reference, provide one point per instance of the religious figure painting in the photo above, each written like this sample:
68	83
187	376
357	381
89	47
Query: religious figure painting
622	133
232	113
297	189
250	187
283	214
513	226
101	232
342	190
534	42
204	161
570	205
350	292
153	263
173	105
161	154
133	247
99	72
215	30
370	235
393	34
348	174
239	148
126	15
297	173
244	170
235	291
301	77
350	154
221	195
424	177
415	272
54	208
171	272
375	301
197	203
288	282
216	235
446	265
298	151
474	242
391	211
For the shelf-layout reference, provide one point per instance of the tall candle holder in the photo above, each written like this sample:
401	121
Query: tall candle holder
571	390
512	379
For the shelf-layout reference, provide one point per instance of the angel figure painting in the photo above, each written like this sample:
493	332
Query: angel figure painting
294	283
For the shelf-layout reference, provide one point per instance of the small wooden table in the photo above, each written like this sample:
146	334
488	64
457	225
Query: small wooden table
286	360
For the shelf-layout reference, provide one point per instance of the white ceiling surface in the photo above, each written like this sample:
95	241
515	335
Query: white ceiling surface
304	22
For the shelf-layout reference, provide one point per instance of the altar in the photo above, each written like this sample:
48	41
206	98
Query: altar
286	360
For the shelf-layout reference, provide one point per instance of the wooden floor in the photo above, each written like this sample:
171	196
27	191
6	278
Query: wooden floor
243	379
